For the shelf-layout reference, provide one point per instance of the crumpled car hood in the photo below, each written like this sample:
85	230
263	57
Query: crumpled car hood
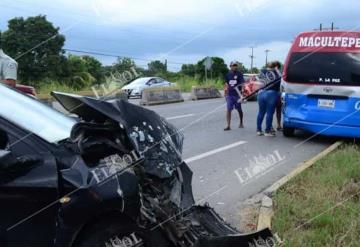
158	141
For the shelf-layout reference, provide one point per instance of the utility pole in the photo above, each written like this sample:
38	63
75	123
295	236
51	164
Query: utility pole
266	56
207	66
252	58
205	75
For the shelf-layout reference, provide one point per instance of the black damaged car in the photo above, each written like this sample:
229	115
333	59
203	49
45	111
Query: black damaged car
109	174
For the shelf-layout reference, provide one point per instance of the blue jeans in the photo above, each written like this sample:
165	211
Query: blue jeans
267	100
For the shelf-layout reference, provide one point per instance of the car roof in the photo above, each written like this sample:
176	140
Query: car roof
148	77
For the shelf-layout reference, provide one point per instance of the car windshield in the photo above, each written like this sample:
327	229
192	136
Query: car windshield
324	68
34	116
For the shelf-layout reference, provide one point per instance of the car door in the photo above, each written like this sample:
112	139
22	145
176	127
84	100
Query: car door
28	190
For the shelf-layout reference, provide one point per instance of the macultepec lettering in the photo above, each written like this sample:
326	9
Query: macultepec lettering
344	42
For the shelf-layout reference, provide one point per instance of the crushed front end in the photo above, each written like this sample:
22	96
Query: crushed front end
167	214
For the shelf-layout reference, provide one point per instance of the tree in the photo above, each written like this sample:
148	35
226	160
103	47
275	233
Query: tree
156	67
242	68
93	66
36	45
218	68
122	65
79	75
255	70
188	69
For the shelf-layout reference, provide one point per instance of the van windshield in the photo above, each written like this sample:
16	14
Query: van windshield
328	68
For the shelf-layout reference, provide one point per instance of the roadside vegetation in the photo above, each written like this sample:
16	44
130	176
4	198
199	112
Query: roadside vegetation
321	207
51	67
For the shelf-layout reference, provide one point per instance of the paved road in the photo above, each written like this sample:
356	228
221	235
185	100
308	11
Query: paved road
215	155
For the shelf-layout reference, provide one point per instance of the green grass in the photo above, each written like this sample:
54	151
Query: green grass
321	207
50	85
186	83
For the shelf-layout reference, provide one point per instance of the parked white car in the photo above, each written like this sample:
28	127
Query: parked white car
135	88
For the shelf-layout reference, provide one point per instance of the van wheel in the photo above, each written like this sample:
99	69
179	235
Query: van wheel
288	132
111	233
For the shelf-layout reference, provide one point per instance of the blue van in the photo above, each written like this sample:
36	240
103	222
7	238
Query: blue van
321	80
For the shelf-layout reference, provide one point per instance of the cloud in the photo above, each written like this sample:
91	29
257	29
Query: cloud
149	12
177	29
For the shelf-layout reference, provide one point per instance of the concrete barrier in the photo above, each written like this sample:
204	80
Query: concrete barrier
204	92
161	95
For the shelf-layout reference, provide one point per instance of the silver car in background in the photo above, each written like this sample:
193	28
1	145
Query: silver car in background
136	87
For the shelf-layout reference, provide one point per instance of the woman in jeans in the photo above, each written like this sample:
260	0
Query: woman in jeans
268	98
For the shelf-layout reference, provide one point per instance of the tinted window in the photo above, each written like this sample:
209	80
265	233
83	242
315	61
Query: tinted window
140	81
324	68
159	80
152	81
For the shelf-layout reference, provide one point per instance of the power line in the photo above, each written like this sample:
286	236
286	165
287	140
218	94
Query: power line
117	56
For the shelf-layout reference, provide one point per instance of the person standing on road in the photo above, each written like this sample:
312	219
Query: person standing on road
268	98
278	109
8	68
233	88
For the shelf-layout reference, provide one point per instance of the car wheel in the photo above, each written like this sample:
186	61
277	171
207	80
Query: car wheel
288	132
111	233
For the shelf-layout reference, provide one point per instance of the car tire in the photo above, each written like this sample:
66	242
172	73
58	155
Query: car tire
288	132
109	233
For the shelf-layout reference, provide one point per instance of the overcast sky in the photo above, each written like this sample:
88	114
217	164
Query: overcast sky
185	31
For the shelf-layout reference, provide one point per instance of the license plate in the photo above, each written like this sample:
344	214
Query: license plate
328	103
